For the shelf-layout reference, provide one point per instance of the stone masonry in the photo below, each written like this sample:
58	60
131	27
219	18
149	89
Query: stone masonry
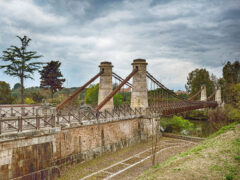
41	154
218	97
139	96
203	93
105	85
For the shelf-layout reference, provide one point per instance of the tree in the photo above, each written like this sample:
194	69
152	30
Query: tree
51	77
231	77
117	99
20	64
37	97
231	72
5	93
17	86
197	78
92	95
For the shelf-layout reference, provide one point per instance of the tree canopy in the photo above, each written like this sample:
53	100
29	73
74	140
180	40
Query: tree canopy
230	82
51	77
231	72
20	62
197	78
91	96
5	93
16	86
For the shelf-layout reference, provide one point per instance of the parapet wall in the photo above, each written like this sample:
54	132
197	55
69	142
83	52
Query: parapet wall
41	154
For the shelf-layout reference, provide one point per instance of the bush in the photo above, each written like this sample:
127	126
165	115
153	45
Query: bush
92	95
29	101
196	115
232	113
176	124
117	99
223	116
5	93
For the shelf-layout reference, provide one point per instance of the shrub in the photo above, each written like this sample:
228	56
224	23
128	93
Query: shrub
5	93
176	124
29	101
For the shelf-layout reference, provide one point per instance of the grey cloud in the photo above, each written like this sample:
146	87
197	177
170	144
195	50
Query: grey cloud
167	33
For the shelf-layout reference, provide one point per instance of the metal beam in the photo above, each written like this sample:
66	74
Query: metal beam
116	90
78	91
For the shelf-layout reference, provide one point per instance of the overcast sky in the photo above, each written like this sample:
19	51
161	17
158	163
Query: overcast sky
175	37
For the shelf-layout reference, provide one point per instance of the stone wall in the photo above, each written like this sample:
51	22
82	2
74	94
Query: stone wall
40	154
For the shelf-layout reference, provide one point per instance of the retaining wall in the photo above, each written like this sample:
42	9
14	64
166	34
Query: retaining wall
41	154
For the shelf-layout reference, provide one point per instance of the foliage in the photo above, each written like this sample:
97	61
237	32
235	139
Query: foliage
196	115
197	78
37	97
51	77
176	124
17	86
5	93
232	113
231	77
117	99
183	95
231	72
92	95
20	64
220	117
29	101
224	129
234	95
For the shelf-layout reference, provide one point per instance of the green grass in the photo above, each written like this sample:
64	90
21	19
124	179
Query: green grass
224	129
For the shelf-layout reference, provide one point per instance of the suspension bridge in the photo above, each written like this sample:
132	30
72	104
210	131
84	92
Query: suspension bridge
144	96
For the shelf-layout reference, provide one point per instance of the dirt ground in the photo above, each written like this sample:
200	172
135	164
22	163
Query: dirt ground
127	163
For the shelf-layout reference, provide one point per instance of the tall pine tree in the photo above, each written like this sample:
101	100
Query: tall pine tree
20	64
51	77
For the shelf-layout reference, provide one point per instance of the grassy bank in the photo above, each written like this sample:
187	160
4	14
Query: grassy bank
218	157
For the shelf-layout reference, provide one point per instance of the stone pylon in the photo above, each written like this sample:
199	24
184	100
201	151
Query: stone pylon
218	97
203	93
105	85
139	96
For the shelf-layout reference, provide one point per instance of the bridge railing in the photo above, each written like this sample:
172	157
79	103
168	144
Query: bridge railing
18	110
66	119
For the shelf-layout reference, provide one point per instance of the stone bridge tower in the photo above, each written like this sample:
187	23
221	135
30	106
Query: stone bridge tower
218	97
139	96
203	93
105	85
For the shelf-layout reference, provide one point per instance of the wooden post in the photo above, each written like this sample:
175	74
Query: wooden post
53	120
0	125
20	123
37	122
23	111
33	110
58	117
11	111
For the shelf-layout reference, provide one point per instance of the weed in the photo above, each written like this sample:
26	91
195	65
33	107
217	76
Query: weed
229	176
156	166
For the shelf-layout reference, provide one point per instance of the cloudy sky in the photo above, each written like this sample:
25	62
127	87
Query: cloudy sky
175	37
